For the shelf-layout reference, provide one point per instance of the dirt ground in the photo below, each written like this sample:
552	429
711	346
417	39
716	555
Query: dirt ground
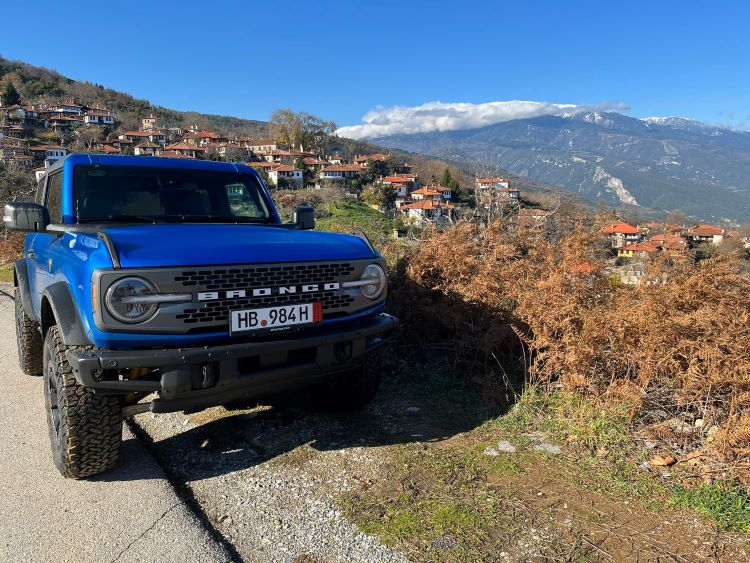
419	475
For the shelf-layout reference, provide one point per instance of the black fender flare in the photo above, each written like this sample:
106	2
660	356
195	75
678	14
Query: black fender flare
65	315
21	280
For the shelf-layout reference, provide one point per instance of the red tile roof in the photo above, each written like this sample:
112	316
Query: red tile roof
641	247
427	204
705	231
620	228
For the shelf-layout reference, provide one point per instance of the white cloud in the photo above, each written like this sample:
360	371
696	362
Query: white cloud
439	116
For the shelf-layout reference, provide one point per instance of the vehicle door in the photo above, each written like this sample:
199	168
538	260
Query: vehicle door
43	242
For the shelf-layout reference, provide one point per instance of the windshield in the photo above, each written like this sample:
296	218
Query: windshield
145	194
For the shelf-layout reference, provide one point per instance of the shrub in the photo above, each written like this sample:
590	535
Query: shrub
679	340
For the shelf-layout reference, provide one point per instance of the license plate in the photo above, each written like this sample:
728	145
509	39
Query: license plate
282	317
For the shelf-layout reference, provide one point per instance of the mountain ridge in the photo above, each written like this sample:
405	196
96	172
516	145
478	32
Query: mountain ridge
612	158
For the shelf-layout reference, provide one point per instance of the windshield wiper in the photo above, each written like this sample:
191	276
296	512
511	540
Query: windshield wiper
127	218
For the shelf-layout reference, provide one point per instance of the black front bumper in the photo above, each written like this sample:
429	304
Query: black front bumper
212	375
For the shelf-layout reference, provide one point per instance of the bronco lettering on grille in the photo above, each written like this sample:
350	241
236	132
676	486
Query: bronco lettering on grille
264	291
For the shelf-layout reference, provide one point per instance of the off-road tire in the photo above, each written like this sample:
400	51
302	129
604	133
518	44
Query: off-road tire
85	429
353	389
28	340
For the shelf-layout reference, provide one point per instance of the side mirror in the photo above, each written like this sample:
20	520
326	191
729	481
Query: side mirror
25	216
304	217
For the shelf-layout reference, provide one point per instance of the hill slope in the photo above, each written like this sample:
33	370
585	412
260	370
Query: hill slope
662	163
38	83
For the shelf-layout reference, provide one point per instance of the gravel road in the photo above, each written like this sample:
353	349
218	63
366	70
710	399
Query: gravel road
128	514
264	486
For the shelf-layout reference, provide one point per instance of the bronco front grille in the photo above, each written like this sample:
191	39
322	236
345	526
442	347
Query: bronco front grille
248	277
262	276
218	311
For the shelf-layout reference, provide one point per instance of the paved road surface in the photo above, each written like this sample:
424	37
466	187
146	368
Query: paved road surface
130	513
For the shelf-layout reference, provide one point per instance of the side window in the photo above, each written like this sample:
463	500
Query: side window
54	197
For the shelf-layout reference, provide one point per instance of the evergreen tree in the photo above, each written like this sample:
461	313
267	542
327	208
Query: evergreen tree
10	95
449	182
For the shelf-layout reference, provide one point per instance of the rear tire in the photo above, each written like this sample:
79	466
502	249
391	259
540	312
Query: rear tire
28	339
85	429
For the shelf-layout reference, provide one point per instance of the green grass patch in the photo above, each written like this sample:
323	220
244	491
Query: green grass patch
6	273
347	217
435	492
569	417
726	504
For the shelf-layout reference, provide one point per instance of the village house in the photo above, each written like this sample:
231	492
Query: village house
428	211
202	138
228	152
148	123
63	122
147	148
68	108
289	174
99	116
437	193
136	137
281	156
403	184
174	154
24	116
12	131
637	250
670	243
494	183
362	160
185	149
49	154
263	147
701	234
339	172
621	234
338	160
107	149
315	164
263	166
528	218
509	195
658	227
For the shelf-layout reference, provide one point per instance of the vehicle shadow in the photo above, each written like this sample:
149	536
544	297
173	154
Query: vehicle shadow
417	402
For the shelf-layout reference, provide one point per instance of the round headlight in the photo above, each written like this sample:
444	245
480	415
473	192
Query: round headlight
123	300
376	275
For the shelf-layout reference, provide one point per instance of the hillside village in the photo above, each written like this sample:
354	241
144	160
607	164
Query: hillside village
34	136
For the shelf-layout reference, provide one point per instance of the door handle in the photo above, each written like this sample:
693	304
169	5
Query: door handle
31	255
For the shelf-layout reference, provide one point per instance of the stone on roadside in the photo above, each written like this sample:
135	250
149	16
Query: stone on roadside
489	450
548	448
506	446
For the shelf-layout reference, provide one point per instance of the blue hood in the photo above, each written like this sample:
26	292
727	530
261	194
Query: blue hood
206	244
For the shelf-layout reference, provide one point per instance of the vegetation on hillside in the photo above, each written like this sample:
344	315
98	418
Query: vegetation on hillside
534	306
36	83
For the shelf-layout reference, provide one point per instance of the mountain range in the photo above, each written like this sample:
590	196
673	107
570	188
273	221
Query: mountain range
661	163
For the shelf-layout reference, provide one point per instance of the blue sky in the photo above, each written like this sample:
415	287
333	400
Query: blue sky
341	59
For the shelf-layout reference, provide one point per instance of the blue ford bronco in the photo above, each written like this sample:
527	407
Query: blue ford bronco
162	284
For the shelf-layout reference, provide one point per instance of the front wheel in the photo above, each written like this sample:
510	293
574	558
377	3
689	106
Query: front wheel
85	430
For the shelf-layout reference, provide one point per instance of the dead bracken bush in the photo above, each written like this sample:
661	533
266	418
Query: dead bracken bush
676	345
